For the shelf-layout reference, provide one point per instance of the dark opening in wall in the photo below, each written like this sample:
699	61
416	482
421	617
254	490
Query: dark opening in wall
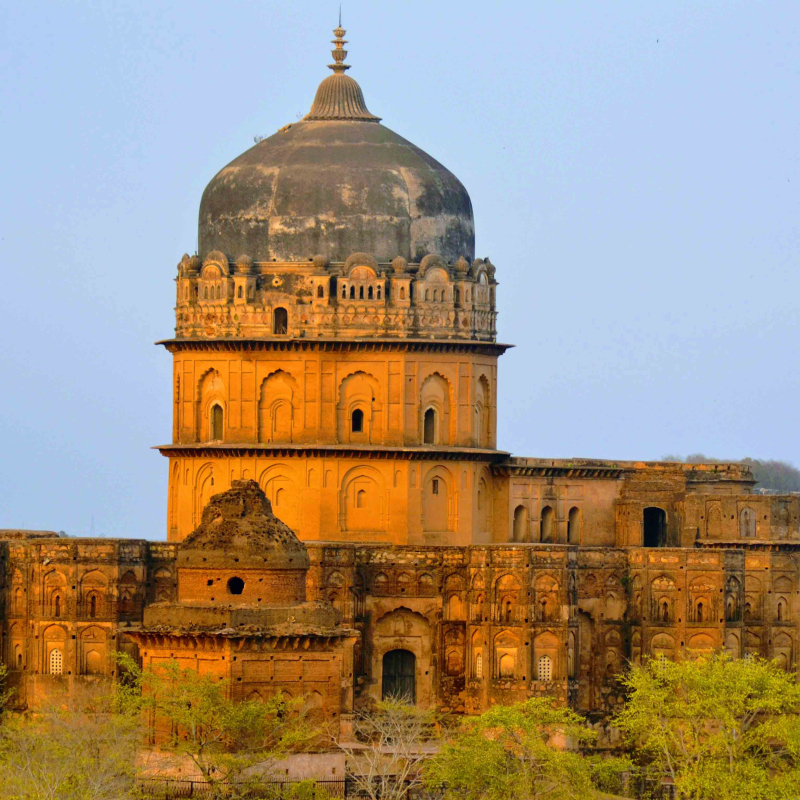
654	524
280	321
235	585
429	432
357	421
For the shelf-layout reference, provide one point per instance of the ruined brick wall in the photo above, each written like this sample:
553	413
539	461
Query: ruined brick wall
67	603
501	623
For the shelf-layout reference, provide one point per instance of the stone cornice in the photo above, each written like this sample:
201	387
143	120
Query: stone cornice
557	469
337	345
209	450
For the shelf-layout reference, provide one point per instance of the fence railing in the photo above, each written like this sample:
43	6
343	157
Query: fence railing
169	788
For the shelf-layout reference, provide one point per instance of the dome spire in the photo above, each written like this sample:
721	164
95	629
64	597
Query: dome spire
339	97
339	53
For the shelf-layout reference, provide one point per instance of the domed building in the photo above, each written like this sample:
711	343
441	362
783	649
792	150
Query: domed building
335	485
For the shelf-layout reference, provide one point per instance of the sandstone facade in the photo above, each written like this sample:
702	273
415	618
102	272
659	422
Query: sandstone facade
355	396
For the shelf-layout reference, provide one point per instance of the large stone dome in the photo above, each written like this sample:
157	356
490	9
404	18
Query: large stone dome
333	184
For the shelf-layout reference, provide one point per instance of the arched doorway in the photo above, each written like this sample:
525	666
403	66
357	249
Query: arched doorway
654	526
399	676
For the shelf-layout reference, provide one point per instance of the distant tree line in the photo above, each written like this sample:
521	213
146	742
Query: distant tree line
776	476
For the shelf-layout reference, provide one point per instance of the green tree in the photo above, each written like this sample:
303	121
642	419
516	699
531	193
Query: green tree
6	693
721	729
233	744
515	752
77	748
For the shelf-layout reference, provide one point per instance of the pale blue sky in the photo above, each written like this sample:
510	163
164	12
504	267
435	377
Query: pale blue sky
633	169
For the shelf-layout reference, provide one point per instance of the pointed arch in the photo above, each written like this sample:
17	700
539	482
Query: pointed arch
278	406
359	392
438	500
283	487
363	500
435	403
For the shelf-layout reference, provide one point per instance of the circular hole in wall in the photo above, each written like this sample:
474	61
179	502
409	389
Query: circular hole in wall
235	585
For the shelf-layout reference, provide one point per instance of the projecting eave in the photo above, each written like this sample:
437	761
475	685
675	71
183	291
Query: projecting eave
337	345
226	450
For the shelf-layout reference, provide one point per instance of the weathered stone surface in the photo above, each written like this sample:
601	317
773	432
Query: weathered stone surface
334	188
239	530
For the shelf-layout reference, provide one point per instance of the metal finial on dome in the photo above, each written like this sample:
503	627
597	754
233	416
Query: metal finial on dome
339	53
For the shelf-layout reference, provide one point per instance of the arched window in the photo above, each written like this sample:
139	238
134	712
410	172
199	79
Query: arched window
361	498
402	293
506	666
369	294
56	662
19	659
320	291
665	612
357	421
352	292
205	293
379	293
216	423
654	525
699	612
427	295
544	614
544	670
547	524
344	292
429	427
219	291
780	612
574	526
93	606
509	610
457	295
479	665
280	321
57	606
435	486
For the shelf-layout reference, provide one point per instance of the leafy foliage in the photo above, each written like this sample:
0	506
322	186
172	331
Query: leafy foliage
513	752
722	729
76	749
233	744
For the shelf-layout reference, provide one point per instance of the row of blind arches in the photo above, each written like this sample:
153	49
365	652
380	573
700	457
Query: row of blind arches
547	532
506	665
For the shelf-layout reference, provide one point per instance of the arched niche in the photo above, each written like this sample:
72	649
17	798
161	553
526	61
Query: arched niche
438	500
434	410
205	487
362	500
520	524
282	486
482	414
278	403
359	409
211	393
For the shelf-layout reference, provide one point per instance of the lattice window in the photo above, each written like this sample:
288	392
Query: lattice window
56	662
479	665
545	669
